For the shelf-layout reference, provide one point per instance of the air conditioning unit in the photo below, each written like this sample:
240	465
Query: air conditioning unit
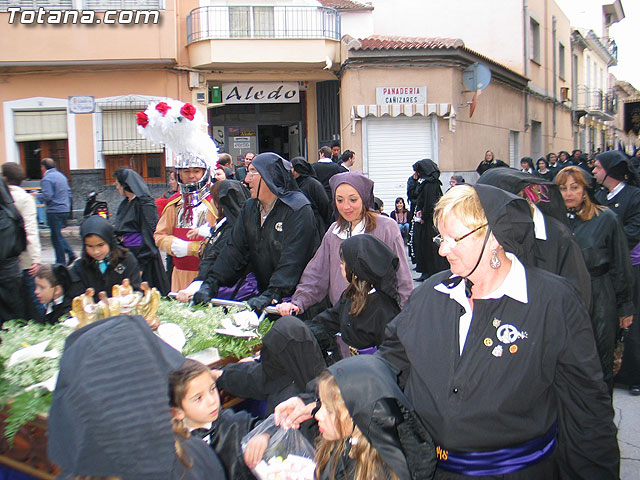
564	94
196	80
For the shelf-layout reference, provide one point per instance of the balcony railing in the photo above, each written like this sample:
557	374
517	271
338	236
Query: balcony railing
262	22
595	101
611	46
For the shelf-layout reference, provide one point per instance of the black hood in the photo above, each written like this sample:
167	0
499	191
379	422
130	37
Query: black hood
370	259
302	167
382	413
427	169
510	221
232	195
96	225
136	184
514	181
618	166
110	409
276	173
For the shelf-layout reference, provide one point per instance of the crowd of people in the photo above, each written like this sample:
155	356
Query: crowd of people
500	364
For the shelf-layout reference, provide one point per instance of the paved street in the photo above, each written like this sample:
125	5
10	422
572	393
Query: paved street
626	406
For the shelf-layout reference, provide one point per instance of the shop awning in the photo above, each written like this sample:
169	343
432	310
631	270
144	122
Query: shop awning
444	110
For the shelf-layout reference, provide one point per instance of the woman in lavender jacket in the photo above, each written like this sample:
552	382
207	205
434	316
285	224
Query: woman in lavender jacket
353	199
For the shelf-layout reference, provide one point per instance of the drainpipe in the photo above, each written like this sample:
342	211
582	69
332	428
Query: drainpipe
525	24
555	74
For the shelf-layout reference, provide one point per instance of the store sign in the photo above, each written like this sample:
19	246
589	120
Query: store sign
400	95
260	93
82	104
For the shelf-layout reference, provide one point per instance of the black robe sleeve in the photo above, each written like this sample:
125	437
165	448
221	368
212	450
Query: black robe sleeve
212	250
299	242
225	440
232	261
367	329
586	432
149	219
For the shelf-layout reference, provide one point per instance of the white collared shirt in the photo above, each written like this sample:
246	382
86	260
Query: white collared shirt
325	160
514	286
539	227
355	230
50	305
616	190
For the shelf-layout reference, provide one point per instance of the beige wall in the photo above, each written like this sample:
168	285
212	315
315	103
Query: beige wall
61	84
499	110
95	43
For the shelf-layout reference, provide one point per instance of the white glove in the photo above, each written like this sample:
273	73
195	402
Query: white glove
179	248
204	231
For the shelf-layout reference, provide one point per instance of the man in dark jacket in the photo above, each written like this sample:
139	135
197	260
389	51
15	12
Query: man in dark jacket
325	168
274	236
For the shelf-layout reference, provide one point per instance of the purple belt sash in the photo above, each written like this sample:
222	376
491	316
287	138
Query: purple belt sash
498	462
635	255
362	351
132	239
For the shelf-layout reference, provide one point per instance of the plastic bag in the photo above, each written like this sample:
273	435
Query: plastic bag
288	456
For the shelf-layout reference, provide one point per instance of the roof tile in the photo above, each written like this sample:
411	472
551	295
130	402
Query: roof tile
384	42
346	4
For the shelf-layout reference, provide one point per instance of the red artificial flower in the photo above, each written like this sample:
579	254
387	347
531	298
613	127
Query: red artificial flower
142	119
188	111
163	108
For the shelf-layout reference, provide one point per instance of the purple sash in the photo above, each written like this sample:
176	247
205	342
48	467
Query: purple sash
635	255
498	462
132	239
248	289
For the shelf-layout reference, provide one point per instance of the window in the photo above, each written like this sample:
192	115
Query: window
561	70
514	148
536	140
122	146
245	22
535	40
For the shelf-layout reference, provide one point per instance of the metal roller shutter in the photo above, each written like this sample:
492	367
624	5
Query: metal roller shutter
393	145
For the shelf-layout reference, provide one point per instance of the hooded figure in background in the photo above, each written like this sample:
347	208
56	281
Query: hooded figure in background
102	274
135	223
555	249
274	236
110	413
385	417
369	259
513	384
229	196
306	179
428	191
289	359
621	194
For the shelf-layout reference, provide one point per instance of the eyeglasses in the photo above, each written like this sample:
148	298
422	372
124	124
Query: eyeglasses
252	173
452	242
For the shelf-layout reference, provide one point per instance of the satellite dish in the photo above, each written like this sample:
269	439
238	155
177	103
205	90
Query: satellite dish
476	77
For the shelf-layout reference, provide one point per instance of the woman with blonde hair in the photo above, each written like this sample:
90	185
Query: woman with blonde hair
599	233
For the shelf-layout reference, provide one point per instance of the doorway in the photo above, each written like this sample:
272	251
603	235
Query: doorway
32	152
281	139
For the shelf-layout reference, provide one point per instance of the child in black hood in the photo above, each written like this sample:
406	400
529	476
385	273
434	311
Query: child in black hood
103	263
369	429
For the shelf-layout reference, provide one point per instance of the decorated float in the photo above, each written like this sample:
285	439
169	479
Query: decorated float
216	334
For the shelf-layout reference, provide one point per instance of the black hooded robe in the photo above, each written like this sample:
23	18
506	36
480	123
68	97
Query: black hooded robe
290	358
277	248
524	367
604	248
385	417
428	192
140	215
232	196
371	260
559	253
626	204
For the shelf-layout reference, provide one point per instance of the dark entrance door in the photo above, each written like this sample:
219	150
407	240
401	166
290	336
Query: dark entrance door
32	152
